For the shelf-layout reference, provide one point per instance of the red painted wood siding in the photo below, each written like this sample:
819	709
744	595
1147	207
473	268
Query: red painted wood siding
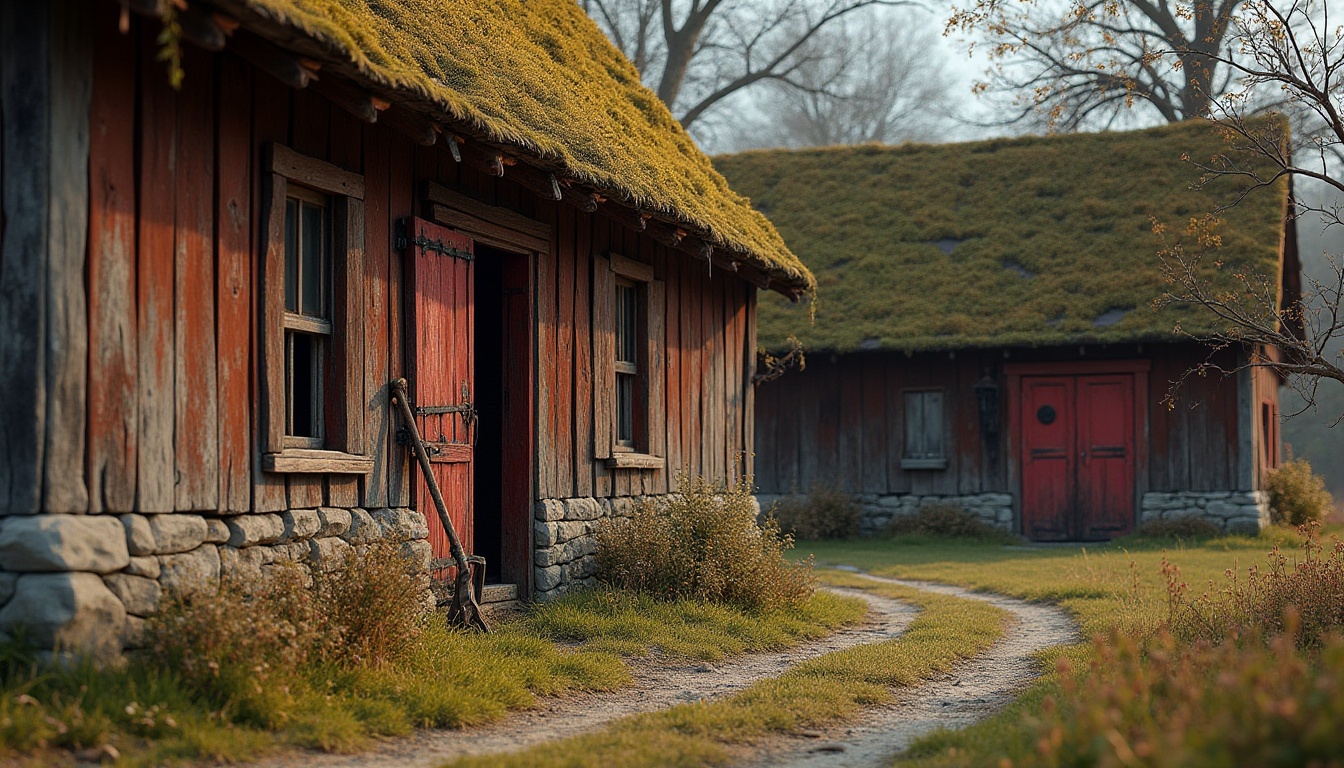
174	288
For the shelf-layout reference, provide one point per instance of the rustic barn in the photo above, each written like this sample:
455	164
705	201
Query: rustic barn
985	333
207	289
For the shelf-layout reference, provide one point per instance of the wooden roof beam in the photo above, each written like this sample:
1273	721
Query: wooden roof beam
585	200
285	67
545	185
413	125
345	95
668	234
202	28
483	158
631	217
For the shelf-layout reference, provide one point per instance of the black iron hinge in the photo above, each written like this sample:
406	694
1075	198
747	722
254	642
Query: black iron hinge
404	241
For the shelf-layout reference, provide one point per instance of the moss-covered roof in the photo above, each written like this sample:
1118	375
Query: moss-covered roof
540	76
1012	242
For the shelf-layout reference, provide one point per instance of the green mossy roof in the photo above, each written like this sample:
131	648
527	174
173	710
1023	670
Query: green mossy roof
1012	242
541	76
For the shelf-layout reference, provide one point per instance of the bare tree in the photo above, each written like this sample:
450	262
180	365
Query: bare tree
882	80
1294	49
1082	63
697	53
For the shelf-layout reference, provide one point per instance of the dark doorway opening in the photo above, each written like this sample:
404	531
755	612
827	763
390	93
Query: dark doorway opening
502	464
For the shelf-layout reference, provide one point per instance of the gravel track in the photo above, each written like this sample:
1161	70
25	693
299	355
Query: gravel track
973	691
659	683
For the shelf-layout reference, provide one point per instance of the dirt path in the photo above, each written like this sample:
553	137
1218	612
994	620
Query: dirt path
658	684
972	692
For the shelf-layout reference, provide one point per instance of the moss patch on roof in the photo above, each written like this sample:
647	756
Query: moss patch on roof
1013	242
540	75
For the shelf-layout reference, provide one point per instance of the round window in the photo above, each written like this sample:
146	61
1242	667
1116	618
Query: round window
1046	414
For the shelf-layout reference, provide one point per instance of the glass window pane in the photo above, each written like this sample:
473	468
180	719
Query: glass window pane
292	255
625	409
314	273
305	381
626	320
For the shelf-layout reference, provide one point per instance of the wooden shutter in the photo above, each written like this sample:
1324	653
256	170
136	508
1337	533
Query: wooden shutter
604	358
923	425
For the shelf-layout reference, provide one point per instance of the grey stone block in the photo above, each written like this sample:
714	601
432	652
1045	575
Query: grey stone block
139	536
94	543
134	634
7	581
139	594
401	524
177	532
143	566
300	524
244	564
548	579
545	534
68	611
545	558
185	571
329	554
363	529
216	531
548	510
251	530
420	552
335	521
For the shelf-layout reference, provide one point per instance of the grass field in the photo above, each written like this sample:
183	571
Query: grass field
1116	588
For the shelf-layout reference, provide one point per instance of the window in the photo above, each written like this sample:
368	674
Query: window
627	352
312	324
626	367
1269	434
924	431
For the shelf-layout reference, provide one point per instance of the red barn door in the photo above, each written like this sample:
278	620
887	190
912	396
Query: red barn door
440	358
1077	456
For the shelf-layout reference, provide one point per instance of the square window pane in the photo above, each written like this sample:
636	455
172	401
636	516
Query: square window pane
304	382
625	409
313	278
292	255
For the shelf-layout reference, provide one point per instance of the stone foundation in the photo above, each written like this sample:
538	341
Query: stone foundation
566	543
1231	511
88	582
876	511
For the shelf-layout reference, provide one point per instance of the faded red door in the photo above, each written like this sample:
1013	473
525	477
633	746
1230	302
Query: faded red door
1077	456
1106	456
442	320
1048	457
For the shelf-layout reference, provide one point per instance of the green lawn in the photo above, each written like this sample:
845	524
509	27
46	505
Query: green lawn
1103	586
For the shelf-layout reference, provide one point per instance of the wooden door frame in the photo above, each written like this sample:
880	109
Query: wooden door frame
531	239
1014	372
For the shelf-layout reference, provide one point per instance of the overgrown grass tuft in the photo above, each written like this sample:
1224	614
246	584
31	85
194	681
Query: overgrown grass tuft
826	512
703	543
818	692
942	521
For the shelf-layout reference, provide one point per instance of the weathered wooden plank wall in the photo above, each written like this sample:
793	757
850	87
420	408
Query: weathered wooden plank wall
840	422
175	292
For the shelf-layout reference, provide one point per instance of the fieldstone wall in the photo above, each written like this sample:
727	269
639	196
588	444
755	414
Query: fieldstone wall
564	531
876	511
87	583
1232	511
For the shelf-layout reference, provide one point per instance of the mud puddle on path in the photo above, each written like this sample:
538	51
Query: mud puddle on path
976	689
659	683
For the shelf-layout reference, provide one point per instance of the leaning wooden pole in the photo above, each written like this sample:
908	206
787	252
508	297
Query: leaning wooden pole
464	610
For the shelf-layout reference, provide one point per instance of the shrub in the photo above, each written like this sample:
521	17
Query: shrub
944	521
703	543
1297	496
1305	596
1161	703
1184	528
825	512
374	605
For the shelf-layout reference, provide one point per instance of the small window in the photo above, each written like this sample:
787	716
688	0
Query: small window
924	431
308	316
1269	430
628	384
312	328
627	361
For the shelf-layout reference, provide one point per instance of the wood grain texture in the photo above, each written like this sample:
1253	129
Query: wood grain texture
401	188
233	288
196	432
24	150
113	406
584	457
156	276
562	413
376	406
604	358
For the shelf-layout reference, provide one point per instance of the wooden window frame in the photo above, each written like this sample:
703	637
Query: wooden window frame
343	447
610	270
923	462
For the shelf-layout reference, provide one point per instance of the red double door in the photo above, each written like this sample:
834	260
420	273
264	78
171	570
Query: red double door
440	372
1077	455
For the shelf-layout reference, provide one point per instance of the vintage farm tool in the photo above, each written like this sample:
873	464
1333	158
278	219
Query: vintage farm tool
463	609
